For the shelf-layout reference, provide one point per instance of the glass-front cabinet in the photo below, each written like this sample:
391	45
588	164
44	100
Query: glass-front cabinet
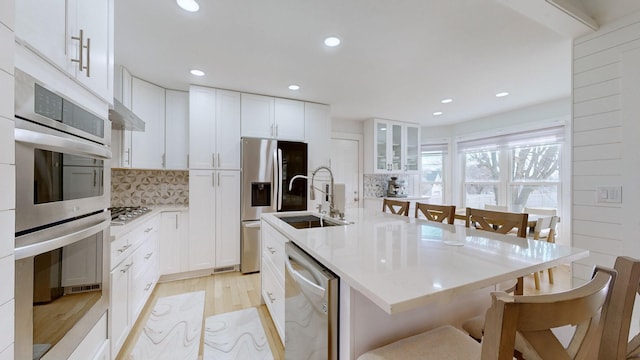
412	149
396	146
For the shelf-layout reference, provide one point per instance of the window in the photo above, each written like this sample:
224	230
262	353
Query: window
532	179
432	173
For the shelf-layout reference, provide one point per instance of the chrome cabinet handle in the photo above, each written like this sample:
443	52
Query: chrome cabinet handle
146	288
148	229
88	47
126	268
148	256
95	177
271	250
270	296
80	59
123	249
219	162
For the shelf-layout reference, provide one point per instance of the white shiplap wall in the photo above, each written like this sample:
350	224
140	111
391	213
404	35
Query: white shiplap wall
7	180
606	143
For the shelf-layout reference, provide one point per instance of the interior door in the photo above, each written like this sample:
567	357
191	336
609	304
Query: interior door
345	164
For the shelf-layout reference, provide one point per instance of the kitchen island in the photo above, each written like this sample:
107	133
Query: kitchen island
400	275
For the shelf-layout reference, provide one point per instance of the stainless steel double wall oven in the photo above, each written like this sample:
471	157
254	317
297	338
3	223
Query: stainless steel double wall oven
63	177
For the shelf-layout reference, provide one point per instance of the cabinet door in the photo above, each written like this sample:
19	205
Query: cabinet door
176	130
119	306
412	148
201	219
95	18
396	147
227	218
42	26
202	107
148	146
381	146
171	243
227	135
289	119
318	134
257	116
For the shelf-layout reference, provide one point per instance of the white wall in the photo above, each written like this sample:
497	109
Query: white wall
606	134
347	126
7	180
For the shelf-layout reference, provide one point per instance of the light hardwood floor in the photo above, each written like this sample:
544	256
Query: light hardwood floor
224	293
233	291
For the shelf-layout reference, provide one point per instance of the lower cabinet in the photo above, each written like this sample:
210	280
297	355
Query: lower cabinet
272	270
214	219
134	274
174	242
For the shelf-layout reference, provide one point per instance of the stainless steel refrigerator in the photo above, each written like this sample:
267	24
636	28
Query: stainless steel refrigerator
267	167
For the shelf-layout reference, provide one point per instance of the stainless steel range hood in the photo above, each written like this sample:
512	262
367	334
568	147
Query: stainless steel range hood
123	118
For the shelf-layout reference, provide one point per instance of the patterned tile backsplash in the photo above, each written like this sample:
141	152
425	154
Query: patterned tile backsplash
375	185
132	187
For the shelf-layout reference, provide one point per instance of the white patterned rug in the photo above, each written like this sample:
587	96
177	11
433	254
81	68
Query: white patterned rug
173	329
236	335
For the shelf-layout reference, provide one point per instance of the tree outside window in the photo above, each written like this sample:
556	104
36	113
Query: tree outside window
432	175
532	180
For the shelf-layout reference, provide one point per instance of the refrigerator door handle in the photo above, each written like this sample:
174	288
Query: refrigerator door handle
274	192
280	179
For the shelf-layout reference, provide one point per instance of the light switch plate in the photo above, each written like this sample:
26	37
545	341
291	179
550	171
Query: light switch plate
609	194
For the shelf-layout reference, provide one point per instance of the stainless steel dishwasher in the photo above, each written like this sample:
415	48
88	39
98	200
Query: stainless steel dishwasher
311	307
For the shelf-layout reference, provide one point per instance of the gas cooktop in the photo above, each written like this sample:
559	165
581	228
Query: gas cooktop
122	215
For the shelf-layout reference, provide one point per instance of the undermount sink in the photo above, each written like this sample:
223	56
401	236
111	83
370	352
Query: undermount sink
310	221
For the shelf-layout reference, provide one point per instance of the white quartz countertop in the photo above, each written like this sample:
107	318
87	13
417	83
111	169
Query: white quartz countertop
401	263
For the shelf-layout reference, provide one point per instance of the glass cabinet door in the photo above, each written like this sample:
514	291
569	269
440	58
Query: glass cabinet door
381	146
396	147
413	148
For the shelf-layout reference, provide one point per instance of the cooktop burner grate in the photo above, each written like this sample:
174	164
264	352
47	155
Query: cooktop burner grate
120	215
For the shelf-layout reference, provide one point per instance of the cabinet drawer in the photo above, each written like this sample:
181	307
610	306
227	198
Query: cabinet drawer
273	295
119	250
144	257
142	286
274	251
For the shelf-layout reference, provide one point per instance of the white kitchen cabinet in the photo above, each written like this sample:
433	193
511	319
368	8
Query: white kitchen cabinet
174	242
318	134
147	148
134	274
275	118
214	219
272	270
119	322
214	129
386	146
52	30
176	140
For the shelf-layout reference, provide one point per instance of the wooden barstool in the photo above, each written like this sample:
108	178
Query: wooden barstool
396	207
436	212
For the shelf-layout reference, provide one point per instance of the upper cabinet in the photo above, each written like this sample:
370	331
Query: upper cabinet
214	128
76	36
275	118
391	146
148	102
317	119
165	142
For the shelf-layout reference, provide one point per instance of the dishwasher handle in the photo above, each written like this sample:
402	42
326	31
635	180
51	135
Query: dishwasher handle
303	281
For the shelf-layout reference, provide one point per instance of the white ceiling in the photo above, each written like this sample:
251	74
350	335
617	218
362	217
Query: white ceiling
397	59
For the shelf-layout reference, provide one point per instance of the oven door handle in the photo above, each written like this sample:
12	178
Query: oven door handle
60	241
60	144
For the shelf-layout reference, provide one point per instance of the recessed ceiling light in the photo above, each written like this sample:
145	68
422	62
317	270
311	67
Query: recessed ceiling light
294	87
437	113
197	72
502	94
188	5
446	101
332	41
